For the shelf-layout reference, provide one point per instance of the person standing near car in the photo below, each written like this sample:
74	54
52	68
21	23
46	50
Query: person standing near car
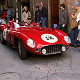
78	21
43	15
37	15
25	14
8	14
74	25
63	18
3	17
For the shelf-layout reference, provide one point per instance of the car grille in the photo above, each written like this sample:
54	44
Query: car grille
52	49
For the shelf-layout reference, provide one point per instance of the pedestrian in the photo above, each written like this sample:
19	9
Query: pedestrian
63	18
12	14
25	14
37	15
3	17
43	15
74	25
0	16
8	14
78	38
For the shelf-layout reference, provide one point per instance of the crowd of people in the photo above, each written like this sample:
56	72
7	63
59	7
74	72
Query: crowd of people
7	15
75	23
41	16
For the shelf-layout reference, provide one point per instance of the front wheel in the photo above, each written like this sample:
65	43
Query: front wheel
22	51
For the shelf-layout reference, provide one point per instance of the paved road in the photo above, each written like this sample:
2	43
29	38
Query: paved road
55	67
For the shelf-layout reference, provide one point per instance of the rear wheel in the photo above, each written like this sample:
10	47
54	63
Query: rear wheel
22	51
0	34
2	39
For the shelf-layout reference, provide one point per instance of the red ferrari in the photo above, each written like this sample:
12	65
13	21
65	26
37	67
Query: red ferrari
34	39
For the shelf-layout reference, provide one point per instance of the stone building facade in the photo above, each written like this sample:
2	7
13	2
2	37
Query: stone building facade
6	3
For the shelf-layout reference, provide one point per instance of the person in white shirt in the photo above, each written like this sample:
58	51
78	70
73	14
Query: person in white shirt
25	14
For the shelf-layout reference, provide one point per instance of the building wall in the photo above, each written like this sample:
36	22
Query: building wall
11	3
5	3
62	1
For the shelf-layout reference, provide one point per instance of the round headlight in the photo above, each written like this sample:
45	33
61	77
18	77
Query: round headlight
44	51
31	43
67	39
63	48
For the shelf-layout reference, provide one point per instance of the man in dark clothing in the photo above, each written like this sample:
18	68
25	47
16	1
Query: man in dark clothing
37	15
9	14
63	18
43	15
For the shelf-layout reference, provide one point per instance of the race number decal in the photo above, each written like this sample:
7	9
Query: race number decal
4	34
49	38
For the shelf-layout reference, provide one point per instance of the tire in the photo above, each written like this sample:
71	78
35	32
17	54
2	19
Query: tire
22	51
1	38
0	34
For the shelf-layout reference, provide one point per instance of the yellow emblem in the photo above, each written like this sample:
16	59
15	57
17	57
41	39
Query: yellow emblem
8	31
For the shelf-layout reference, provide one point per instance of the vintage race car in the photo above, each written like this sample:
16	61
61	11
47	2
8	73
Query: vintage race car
36	40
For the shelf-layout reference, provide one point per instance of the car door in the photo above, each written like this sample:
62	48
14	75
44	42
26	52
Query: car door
8	33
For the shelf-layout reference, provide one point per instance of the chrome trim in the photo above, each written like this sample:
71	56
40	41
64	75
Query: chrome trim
53	49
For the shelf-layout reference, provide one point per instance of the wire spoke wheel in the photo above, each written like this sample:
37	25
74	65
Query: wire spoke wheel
22	51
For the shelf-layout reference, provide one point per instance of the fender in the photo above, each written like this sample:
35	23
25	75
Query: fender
2	27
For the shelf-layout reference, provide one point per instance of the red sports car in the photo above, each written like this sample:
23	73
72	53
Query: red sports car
37	40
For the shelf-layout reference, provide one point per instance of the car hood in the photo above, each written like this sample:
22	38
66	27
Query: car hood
43	36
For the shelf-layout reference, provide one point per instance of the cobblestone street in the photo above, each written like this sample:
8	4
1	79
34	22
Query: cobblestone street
64	66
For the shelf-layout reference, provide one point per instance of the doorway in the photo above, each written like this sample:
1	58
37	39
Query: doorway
54	12
26	3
